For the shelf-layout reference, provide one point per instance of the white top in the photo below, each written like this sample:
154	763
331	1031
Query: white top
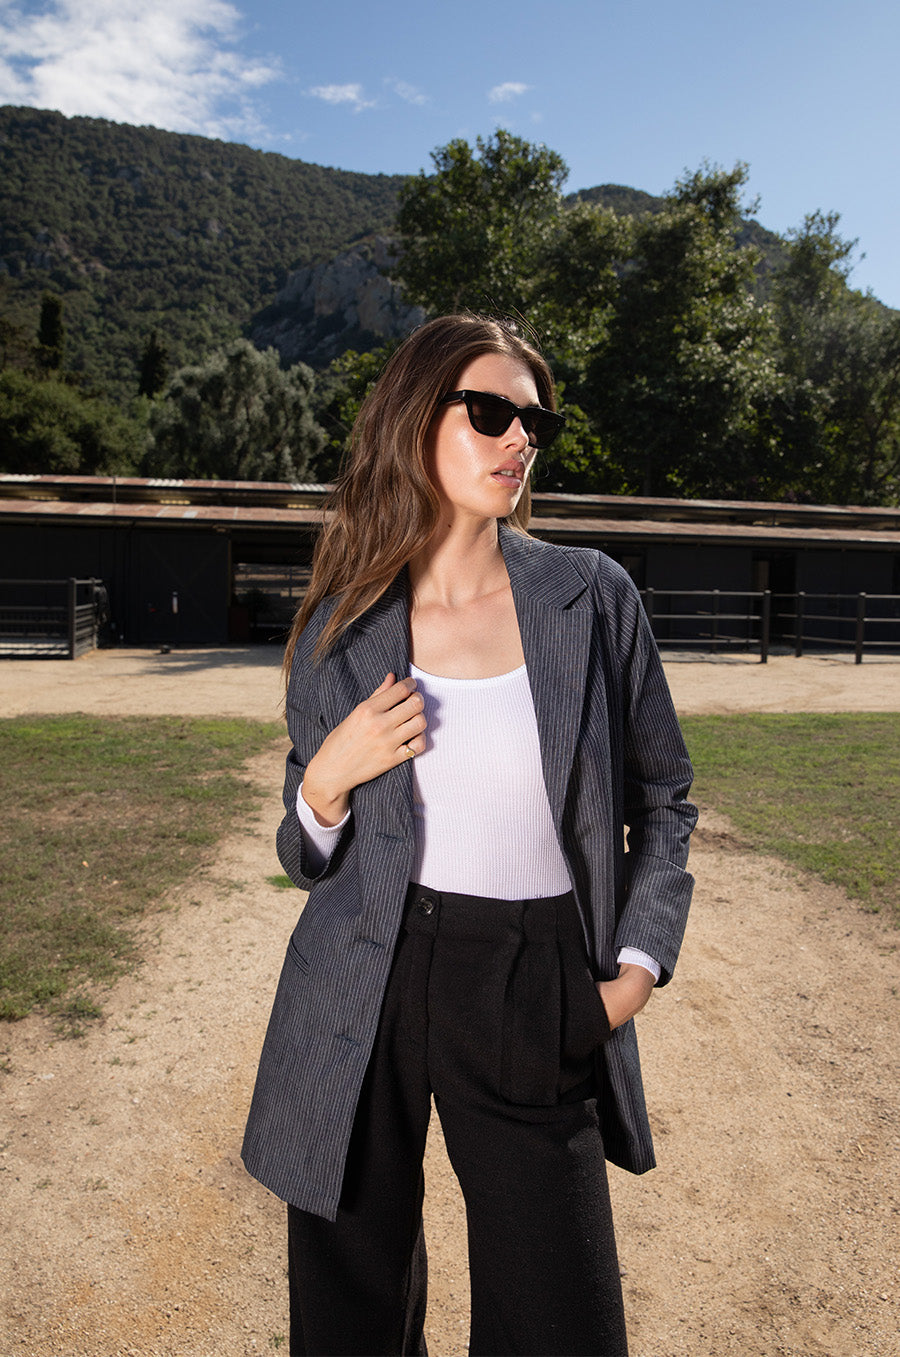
481	814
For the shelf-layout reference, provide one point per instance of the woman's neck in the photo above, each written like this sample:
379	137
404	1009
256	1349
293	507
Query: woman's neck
462	617
458	565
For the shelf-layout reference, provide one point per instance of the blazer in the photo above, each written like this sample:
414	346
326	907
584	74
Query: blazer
613	757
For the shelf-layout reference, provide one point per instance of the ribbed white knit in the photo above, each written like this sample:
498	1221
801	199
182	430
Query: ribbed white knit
481	814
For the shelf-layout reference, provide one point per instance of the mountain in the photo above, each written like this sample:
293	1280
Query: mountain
139	229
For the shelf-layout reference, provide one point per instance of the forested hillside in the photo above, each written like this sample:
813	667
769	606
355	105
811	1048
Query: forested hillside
165	298
140	230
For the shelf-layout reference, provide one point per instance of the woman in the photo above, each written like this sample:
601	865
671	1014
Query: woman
475	715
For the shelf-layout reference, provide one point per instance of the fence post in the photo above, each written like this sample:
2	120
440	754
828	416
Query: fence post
860	626
764	625
72	615
799	606
648	606
715	621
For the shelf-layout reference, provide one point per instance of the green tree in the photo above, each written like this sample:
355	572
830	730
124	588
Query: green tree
471	234
237	416
51	338
48	427
838	419
154	367
679	386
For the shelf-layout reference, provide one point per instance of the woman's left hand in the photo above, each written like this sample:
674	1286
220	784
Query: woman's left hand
627	994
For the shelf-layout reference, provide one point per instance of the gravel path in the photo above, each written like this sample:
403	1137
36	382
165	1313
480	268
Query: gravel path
772	1066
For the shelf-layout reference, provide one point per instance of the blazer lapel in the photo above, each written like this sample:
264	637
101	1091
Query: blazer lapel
555	624
380	646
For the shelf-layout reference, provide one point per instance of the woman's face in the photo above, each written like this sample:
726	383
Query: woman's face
477	476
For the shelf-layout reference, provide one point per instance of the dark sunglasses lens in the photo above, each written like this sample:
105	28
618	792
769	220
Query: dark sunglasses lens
542	427
491	415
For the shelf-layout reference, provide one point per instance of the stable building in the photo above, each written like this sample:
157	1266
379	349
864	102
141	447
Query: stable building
194	563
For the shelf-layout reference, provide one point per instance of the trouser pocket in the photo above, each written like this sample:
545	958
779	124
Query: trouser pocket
554	1018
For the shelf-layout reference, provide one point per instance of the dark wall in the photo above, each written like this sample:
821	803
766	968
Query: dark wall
846	572
142	567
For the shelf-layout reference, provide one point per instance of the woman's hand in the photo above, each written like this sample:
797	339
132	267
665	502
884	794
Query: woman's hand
627	994
382	732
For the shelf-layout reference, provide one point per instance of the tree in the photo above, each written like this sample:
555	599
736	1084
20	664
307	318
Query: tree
838	419
238	416
51	333
679	386
471	233
154	367
47	428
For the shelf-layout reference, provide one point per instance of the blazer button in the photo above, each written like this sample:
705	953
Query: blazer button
426	905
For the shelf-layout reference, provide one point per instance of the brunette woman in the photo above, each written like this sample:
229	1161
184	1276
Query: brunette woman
475	717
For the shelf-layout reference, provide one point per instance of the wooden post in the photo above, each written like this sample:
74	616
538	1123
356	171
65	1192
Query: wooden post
648	606
72	615
860	626
764	626
799	606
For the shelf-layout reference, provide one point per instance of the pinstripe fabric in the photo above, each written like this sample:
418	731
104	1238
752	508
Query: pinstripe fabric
612	755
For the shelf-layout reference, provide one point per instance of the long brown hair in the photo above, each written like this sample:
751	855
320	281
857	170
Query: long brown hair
384	508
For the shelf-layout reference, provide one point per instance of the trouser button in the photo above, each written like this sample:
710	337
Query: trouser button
426	905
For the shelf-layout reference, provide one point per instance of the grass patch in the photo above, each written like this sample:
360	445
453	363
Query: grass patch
820	791
98	817
281	882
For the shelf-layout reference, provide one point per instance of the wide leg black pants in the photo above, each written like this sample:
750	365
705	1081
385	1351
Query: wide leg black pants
490	1007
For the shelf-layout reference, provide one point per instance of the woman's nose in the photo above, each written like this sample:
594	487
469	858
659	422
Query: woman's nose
517	436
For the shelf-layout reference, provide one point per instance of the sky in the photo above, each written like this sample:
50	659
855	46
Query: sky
631	92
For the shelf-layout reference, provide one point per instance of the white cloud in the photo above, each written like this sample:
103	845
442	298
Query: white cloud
409	93
171	64
342	94
510	89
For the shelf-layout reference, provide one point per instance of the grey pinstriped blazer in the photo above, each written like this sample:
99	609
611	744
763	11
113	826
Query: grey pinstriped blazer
612	755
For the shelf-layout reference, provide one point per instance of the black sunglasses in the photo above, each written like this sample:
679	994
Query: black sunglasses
492	415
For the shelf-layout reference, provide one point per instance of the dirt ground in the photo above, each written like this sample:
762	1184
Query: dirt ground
772	1066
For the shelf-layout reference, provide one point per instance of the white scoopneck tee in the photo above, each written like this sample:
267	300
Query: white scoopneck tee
482	819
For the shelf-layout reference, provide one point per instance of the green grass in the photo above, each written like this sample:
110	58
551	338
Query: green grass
821	792
98	818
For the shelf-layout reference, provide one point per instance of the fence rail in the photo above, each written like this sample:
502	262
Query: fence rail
53	619
720	619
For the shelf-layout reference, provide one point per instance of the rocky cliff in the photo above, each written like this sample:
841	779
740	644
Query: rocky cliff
326	308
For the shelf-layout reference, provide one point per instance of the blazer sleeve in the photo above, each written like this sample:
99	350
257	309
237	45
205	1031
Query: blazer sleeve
307	728
657	775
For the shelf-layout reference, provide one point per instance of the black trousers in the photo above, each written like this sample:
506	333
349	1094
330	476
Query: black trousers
492	1009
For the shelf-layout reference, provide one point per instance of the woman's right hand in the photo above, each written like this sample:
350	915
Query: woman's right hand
382	732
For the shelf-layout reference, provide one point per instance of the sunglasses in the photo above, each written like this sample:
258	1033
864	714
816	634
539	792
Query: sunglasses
492	415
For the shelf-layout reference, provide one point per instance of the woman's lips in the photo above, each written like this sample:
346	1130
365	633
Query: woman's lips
509	474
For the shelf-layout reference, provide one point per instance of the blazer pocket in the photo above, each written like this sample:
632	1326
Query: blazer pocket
297	957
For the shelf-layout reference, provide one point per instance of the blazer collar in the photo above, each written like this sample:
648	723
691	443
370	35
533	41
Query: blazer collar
556	623
539	570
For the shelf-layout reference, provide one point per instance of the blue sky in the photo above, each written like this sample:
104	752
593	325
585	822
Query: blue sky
635	93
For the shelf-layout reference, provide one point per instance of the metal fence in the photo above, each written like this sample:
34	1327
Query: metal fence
720	619
53	619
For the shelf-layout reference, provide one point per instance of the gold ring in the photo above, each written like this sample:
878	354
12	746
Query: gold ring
411	752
